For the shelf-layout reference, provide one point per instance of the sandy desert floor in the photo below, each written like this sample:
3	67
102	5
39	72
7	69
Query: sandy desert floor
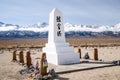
10	70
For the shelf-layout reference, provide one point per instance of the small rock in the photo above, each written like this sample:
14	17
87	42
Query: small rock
52	73
86	56
118	62
45	77
100	60
38	76
114	62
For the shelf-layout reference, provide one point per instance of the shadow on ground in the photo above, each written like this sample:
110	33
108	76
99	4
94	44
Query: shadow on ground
60	78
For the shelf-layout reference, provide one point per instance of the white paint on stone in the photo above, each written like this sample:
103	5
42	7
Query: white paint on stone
57	49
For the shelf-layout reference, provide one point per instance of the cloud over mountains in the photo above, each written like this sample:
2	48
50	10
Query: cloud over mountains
43	27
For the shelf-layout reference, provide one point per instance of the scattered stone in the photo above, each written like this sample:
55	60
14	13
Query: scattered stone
29	70
118	62
100	60
115	62
86	56
38	77
23	64
31	75
1	51
37	65
24	71
52	73
46	77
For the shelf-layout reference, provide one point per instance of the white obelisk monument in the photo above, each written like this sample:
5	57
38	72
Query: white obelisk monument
57	49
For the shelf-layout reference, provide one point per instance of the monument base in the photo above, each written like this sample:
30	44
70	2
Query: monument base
60	53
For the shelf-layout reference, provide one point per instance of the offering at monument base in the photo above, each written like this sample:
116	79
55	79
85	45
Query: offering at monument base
43	64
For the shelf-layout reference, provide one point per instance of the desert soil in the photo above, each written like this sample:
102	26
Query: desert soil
10	70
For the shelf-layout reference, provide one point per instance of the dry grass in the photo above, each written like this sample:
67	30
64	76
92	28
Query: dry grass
40	42
93	42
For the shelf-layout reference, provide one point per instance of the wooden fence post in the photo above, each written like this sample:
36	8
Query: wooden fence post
21	57
28	59
79	51
95	54
14	56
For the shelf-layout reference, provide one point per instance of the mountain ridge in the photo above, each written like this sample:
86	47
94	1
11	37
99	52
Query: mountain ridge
41	30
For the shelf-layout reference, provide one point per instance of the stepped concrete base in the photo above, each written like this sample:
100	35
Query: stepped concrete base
60	54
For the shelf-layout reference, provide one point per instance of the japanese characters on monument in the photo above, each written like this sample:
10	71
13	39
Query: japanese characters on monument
58	19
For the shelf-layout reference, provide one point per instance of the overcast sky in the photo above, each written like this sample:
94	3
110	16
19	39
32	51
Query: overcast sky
89	12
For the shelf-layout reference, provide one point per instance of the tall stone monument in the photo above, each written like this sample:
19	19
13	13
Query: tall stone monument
57	49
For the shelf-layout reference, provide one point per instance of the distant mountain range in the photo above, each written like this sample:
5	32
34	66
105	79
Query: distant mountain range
41	30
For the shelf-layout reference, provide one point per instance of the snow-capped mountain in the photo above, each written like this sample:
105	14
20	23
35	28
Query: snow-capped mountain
43	27
41	30
92	28
8	27
39	27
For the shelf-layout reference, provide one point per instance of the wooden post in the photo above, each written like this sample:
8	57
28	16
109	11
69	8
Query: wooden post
21	57
86	45
95	54
28	59
43	71
14	56
79	51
